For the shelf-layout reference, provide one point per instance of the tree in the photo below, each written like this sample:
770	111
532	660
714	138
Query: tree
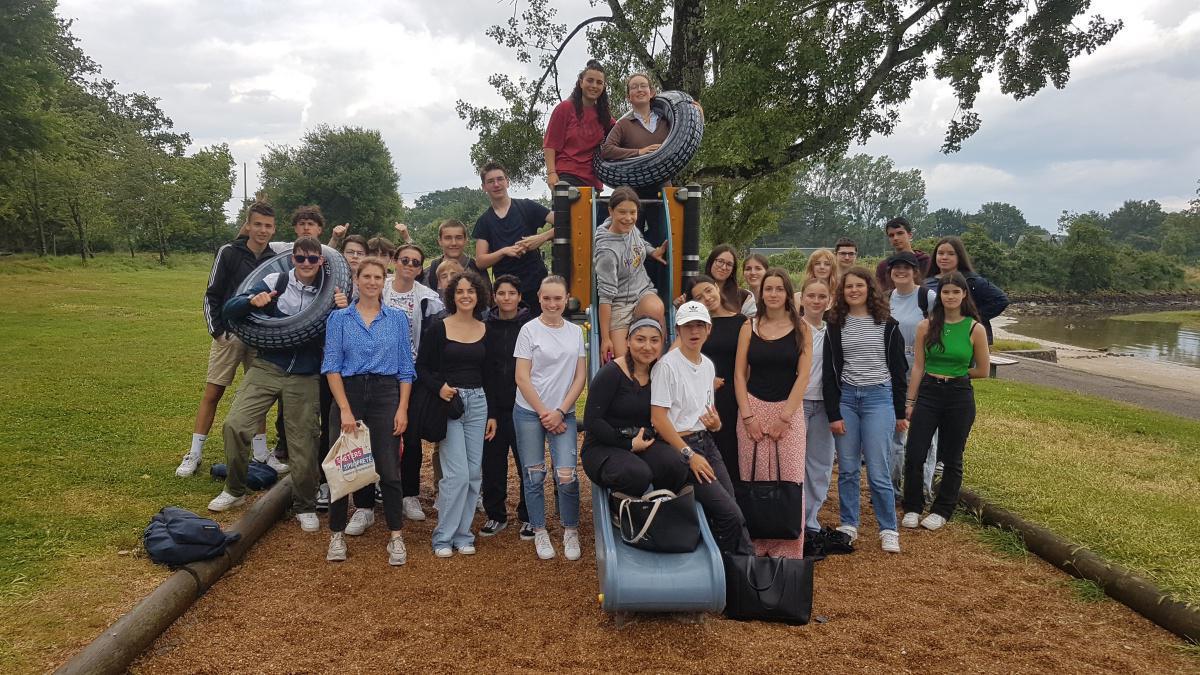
947	222
1138	224
782	83
988	256
348	171
1003	222
1090	256
463	204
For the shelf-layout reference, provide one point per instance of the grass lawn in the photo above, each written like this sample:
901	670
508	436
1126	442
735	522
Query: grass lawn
1014	345
1189	318
104	367
1121	480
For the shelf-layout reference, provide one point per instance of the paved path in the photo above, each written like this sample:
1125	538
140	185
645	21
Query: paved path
1049	374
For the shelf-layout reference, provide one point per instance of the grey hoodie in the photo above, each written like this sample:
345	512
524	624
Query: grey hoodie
620	263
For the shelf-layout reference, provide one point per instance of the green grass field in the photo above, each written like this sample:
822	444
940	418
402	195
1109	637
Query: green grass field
1188	318
104	367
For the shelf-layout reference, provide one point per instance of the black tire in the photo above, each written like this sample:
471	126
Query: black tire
265	332
656	168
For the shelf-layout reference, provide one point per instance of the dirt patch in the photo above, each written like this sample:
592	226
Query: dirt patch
947	604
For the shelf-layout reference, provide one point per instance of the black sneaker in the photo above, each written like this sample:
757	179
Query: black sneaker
323	497
526	532
835	542
491	527
814	544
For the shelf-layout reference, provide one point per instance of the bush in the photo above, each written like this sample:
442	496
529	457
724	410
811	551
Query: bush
793	261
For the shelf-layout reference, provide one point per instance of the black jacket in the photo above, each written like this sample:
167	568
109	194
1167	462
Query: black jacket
500	378
988	298
833	361
234	262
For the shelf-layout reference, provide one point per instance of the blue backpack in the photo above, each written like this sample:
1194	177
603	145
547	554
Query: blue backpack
177	537
259	475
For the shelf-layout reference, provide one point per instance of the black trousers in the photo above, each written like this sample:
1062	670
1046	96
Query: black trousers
373	399
720	507
653	226
947	407
410	461
494	485
572	179
630	472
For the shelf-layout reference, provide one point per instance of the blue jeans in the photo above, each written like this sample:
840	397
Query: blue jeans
818	462
531	446
870	421
462	469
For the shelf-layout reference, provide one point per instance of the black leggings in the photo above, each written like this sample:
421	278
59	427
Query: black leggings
947	407
494	485
373	399
631	472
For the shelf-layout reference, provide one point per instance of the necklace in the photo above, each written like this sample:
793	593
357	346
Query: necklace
560	323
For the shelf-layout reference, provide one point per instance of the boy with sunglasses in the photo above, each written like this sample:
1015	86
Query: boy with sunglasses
420	304
290	375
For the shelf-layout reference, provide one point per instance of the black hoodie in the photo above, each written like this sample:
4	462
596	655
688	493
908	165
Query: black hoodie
500	374
833	361
235	261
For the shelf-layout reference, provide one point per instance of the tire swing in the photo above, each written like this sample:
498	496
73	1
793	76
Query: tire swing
267	332
681	144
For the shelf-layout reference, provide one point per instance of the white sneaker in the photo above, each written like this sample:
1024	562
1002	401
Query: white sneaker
571	544
412	508
890	541
274	463
850	531
443	552
911	520
933	521
360	521
191	462
308	522
397	553
541	542
469	549
225	501
337	548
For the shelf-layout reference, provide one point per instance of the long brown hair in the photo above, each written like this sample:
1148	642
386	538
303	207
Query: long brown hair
964	260
602	108
789	304
877	305
731	293
937	314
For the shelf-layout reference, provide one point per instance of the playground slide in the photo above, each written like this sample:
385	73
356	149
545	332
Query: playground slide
633	580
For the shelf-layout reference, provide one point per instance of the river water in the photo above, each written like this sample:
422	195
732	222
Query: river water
1157	340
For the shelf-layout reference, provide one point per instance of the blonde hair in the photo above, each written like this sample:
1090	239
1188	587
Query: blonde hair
834	275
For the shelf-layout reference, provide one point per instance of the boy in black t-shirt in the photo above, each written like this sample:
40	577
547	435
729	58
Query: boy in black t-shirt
507	238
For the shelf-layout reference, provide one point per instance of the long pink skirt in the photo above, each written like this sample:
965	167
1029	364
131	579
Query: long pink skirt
791	466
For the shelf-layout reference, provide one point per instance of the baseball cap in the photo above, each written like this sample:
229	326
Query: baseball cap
692	311
906	257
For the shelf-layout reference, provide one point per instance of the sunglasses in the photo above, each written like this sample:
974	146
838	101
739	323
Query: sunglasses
410	262
310	259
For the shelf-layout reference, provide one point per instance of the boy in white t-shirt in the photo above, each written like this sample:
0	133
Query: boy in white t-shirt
681	409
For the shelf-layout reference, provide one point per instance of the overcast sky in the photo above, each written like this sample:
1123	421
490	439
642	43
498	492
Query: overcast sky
256	73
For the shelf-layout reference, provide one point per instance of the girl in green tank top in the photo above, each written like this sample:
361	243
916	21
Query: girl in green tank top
951	349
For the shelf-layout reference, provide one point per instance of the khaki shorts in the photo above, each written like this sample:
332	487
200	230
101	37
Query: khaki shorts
224	356
621	316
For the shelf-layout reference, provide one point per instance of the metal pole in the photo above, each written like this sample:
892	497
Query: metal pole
691	234
561	251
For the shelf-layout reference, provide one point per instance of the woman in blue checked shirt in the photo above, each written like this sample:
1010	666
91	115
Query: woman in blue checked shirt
369	364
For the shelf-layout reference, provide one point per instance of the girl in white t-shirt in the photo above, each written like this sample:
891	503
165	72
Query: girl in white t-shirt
551	368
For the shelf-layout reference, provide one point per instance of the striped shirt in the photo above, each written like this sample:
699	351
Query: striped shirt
383	348
865	355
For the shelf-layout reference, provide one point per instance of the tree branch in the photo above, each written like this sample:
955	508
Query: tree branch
639	50
537	88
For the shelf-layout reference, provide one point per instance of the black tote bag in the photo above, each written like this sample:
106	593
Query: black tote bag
660	520
773	509
768	589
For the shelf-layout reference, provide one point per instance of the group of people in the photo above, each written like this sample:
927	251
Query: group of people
762	380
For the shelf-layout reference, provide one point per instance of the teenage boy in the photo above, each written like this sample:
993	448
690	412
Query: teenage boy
452	239
420	304
507	237
290	375
233	263
900	235
682	412
846	251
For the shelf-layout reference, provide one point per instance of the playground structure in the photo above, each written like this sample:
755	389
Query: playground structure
633	580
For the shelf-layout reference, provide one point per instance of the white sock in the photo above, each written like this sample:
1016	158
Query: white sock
198	443
259	445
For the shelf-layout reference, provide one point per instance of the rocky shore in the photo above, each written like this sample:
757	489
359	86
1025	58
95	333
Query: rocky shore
1112	302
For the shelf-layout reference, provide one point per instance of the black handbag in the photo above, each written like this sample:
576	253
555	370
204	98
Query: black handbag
768	589
455	408
428	412
773	509
660	520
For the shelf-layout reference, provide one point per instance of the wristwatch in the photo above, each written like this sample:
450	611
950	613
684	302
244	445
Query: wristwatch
687	453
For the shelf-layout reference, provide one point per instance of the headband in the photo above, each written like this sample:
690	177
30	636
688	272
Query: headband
645	322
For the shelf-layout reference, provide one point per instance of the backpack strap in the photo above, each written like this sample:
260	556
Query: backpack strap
923	301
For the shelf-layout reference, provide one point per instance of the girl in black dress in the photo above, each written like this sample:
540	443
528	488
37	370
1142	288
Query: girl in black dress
721	348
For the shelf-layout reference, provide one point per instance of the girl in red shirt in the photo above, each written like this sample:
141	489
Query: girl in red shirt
577	127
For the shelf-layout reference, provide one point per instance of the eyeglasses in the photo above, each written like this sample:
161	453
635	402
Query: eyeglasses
410	262
721	262
639	87
847	254
310	259
354	254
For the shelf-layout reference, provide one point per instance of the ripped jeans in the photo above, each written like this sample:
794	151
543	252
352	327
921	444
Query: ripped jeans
531	446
